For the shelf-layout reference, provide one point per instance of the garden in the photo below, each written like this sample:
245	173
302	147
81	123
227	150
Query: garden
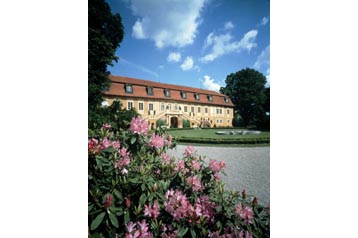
136	190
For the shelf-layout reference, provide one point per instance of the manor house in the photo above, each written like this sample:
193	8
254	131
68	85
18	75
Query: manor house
174	104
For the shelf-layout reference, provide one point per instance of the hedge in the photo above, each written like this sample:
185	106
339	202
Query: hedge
262	140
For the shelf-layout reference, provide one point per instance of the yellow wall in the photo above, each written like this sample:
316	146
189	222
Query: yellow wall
223	119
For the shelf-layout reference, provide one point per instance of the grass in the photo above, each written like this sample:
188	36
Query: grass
210	133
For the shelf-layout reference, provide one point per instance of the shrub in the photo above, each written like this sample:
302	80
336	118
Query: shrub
137	190
160	123
186	123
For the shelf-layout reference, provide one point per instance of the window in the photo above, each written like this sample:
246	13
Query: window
212	110
197	96
206	110
199	110
151	106
183	94
192	109
185	108
140	106
219	111
169	107
226	99
162	107
129	88
227	111
129	105
150	90
176	107
210	98
167	92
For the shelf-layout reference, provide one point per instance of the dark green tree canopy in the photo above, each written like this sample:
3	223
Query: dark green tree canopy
105	32
246	88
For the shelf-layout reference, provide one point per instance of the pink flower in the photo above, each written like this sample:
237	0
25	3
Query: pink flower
116	144
92	145
166	158
189	151
196	165
216	166
106	126
108	202
138	126
180	167
177	204
105	143
194	182
247	214
156	141
168	140
152	211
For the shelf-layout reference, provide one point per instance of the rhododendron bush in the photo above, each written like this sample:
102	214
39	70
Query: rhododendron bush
136	190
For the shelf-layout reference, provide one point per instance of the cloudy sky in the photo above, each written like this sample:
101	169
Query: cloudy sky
195	43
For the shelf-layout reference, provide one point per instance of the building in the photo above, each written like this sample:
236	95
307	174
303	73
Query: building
178	106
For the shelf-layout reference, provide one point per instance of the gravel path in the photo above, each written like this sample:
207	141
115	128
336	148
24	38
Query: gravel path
247	168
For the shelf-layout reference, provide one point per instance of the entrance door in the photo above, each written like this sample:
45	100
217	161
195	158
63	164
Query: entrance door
174	122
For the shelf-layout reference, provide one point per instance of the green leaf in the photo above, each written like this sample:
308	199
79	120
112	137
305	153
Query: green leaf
193	234
142	199
97	221
114	220
127	218
133	140
183	231
90	207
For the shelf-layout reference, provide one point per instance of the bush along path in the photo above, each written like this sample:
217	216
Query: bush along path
136	190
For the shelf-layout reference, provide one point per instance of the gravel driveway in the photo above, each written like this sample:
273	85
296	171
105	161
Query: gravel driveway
247	168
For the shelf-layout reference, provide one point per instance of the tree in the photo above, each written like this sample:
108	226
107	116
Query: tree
105	32
246	88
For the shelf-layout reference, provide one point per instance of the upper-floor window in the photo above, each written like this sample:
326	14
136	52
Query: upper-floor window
192	109
167	92
129	105
150	90
185	108
197	96
176	107
162	106
140	106
199	110
129	88
151	106
210	98
206	110
226	99
169	107
228	111
183	94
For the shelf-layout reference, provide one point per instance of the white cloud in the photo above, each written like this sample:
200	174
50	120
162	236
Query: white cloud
174	57
223	44
264	21
167	23
187	64
210	84
263	59
228	25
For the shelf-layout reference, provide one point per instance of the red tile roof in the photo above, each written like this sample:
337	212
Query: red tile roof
118	83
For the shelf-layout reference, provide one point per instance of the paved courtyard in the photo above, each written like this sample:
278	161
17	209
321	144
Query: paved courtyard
246	167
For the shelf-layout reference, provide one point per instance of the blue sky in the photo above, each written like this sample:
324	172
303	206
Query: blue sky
195	43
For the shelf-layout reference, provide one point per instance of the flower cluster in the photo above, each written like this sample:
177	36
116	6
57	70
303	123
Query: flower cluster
138	232
156	141
152	211
177	204
216	167
246	213
189	151
138	126
194	182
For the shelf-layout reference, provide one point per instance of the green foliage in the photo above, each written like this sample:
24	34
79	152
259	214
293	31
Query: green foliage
246	88
186	123
114	115
160	123
129	174
105	32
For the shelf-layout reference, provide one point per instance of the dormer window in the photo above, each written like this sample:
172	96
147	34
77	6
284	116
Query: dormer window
197	96
167	92
150	90
129	88
183	94
210	98
226	99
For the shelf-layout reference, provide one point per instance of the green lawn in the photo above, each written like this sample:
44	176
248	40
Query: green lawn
210	133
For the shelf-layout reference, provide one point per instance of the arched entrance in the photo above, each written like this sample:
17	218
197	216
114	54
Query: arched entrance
174	122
